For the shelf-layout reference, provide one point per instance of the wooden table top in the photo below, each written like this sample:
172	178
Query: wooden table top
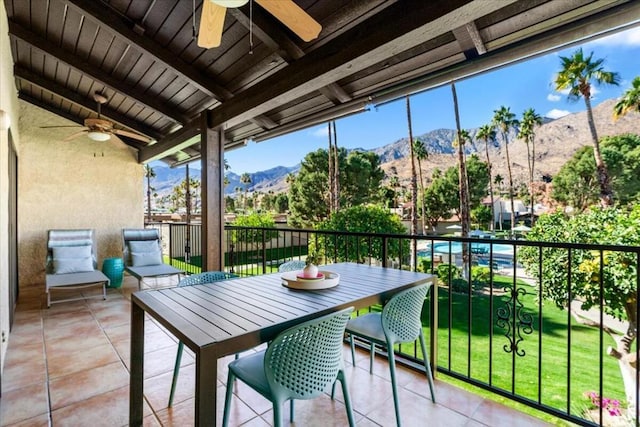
238	314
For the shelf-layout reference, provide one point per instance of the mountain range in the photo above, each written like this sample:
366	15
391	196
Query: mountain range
556	141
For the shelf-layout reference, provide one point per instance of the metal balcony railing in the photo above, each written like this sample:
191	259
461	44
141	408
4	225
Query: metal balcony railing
489	321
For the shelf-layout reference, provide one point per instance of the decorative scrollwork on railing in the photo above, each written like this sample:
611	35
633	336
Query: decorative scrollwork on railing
515	320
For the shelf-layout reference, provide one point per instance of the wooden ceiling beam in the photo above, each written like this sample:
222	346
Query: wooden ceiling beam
172	143
395	29
472	29
106	16
334	93
270	33
52	50
75	98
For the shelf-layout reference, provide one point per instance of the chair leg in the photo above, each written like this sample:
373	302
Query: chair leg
353	352
176	371
231	378
347	397
394	382
277	414
372	354
427	367
291	410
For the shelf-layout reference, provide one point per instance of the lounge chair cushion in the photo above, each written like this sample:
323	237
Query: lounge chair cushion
72	259
145	252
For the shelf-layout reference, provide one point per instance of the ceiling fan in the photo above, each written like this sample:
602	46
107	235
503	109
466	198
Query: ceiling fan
99	129
286	11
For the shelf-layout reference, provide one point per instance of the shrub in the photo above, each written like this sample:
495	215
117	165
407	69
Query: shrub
254	220
443	272
424	265
459	285
480	276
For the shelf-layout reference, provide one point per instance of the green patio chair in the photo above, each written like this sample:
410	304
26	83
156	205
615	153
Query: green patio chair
293	265
300	363
194	279
399	322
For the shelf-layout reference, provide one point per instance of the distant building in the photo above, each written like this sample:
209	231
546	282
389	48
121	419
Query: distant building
502	209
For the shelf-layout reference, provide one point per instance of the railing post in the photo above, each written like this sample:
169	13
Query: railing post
231	257
264	251
384	251
433	328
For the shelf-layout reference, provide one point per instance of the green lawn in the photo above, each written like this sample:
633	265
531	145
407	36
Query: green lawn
581	352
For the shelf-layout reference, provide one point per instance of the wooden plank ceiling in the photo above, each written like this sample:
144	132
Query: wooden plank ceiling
142	56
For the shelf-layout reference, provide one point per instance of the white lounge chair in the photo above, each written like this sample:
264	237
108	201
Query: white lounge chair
142	255
71	263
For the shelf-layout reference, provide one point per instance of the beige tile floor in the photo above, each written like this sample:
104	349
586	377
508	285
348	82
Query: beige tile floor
68	366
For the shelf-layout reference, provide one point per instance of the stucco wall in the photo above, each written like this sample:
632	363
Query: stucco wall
9	104
71	184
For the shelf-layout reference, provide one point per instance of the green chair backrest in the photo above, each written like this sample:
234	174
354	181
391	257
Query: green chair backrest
303	361
401	319
206	277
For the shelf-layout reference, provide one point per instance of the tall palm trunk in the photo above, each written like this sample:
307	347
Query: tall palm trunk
336	169
465	217
493	217
513	213
606	195
332	202
424	230
414	187
533	165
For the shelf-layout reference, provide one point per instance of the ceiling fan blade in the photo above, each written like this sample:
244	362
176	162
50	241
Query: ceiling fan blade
211	24
131	135
65	126
75	135
294	17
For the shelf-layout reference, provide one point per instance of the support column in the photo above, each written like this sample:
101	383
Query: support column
212	182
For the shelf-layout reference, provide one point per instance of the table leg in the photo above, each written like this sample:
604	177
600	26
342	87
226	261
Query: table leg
136	381
206	388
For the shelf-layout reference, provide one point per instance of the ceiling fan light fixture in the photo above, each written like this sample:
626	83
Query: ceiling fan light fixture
230	3
98	136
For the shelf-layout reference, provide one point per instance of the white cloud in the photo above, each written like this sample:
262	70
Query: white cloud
625	38
553	97
320	132
556	114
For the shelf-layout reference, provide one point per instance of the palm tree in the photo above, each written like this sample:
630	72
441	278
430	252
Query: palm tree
420	151
487	133
576	75
530	119
245	179
505	120
465	214
414	178
149	173
630	100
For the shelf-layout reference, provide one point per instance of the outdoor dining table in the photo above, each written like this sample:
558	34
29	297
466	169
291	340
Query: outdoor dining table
223	318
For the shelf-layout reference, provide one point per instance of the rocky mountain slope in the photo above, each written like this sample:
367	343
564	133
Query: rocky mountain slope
556	141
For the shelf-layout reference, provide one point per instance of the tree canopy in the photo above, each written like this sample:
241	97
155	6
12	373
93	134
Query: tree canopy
596	226
366	219
576	184
360	178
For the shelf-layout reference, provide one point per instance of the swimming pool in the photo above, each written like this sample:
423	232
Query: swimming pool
477	248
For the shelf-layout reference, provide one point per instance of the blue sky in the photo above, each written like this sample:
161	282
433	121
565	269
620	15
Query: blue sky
524	85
